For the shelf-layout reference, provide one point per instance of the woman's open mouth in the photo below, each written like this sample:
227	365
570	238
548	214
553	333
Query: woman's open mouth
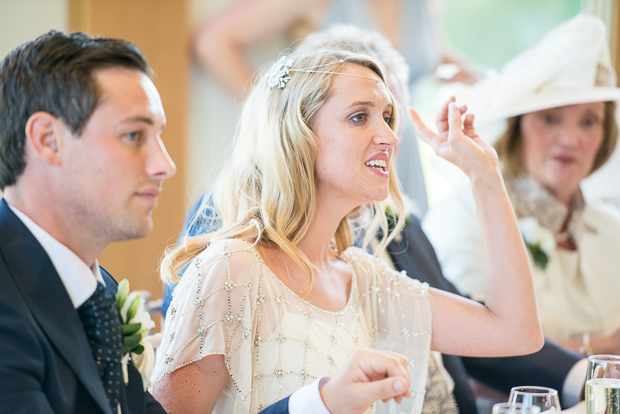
377	164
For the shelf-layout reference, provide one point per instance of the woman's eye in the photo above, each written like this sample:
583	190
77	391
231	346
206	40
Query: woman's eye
590	122
359	118
548	119
388	120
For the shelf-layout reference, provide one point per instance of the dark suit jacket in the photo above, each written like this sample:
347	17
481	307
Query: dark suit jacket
547	367
46	364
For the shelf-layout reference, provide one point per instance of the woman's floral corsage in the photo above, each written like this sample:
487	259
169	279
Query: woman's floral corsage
136	323
538	240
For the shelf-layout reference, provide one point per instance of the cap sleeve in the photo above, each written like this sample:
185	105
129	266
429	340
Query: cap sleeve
212	312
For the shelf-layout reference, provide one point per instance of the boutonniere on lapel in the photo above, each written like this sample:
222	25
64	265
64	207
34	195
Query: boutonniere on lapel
538	240
392	219
136	323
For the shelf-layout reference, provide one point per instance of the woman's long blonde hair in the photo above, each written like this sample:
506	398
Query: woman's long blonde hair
267	191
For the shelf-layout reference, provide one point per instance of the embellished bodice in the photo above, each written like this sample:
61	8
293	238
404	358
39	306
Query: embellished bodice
274	342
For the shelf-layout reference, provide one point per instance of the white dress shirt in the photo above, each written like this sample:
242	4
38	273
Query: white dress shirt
79	279
307	400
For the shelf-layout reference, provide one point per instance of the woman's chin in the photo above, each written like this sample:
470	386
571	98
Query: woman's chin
379	196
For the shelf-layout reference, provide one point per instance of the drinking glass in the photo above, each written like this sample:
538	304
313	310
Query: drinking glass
543	397
603	384
515	408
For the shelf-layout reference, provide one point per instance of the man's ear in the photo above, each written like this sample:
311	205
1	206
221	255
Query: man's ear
44	133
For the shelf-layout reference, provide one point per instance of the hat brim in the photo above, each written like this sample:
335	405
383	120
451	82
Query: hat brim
538	102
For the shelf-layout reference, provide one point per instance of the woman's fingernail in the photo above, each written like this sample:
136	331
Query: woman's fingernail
451	106
399	386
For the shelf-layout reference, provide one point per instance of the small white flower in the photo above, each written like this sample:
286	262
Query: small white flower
131	309
530	229
539	240
141	316
547	241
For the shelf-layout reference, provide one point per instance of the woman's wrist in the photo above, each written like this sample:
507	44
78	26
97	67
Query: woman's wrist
486	178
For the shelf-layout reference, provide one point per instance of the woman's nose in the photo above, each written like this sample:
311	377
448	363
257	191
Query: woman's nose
386	137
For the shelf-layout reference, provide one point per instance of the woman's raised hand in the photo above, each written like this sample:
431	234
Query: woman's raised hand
457	140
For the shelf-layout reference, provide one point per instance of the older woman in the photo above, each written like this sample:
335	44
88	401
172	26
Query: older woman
277	296
559	98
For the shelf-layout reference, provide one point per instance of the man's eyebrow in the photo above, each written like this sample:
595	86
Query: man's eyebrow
143	119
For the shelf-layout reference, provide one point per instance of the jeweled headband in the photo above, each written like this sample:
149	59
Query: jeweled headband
280	72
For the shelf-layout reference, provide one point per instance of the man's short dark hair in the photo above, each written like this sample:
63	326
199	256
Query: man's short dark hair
54	74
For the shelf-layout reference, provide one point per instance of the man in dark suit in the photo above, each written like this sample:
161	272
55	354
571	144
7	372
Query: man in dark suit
82	164
548	367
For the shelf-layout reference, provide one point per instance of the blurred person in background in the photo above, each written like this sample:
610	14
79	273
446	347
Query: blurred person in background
220	42
555	105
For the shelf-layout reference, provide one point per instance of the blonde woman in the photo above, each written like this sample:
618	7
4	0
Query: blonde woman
278	297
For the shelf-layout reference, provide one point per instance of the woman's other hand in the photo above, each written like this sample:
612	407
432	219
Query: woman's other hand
368	375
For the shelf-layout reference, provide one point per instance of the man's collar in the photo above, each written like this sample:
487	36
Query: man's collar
79	279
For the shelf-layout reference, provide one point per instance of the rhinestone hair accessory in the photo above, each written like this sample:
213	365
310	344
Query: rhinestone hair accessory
280	73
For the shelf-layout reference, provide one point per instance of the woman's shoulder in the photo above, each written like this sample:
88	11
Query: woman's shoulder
234	257
603	211
227	247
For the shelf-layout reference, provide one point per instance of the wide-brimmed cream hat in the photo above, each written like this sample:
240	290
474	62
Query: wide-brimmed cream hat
570	65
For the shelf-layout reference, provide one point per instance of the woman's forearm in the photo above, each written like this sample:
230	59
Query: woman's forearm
509	290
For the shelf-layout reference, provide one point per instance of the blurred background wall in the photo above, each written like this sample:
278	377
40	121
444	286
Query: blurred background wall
22	20
202	116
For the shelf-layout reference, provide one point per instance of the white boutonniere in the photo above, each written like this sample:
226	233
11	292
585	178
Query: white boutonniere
538	240
136	323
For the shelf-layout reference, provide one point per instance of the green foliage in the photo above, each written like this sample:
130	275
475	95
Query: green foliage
130	342
131	328
540	257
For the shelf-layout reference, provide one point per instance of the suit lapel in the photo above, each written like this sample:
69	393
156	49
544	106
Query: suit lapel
49	301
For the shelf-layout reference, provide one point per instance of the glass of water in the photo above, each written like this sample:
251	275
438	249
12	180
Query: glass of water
515	408
544	398
603	384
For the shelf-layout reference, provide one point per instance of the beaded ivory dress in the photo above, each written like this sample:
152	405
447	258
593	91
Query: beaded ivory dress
229	302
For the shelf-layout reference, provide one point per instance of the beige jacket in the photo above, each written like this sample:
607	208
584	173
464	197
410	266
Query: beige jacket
577	292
